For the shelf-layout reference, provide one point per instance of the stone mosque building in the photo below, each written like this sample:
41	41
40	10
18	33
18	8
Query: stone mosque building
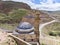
26	30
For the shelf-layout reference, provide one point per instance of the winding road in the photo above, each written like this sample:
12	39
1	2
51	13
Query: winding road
46	37
42	25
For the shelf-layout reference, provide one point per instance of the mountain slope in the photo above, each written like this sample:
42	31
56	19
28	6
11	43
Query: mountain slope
7	6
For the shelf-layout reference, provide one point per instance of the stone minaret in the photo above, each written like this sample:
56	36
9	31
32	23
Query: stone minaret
36	25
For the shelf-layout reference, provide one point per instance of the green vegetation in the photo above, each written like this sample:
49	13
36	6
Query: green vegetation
11	20
54	33
18	14
14	16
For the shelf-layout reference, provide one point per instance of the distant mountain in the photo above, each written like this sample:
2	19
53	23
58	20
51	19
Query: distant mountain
54	14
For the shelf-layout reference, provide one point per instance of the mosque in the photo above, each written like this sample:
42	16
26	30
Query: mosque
28	29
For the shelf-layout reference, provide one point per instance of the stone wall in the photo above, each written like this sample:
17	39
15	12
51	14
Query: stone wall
19	41
27	37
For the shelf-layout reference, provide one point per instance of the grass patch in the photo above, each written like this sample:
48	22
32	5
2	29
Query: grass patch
8	26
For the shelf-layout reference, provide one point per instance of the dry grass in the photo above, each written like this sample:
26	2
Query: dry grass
51	27
49	42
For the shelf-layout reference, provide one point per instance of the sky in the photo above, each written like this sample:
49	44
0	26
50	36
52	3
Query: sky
50	5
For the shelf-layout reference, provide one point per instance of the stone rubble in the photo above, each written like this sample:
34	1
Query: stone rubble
5	39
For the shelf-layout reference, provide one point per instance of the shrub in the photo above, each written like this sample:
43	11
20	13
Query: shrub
52	33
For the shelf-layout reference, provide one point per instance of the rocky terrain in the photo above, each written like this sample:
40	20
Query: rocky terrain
5	39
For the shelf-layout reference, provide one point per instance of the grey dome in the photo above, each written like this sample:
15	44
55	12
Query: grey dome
25	25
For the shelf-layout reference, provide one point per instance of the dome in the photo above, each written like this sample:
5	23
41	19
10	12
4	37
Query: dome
25	25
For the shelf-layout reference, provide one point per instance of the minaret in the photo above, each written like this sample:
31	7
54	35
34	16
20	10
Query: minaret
36	25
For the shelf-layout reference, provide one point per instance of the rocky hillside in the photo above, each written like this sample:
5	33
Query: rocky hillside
7	6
